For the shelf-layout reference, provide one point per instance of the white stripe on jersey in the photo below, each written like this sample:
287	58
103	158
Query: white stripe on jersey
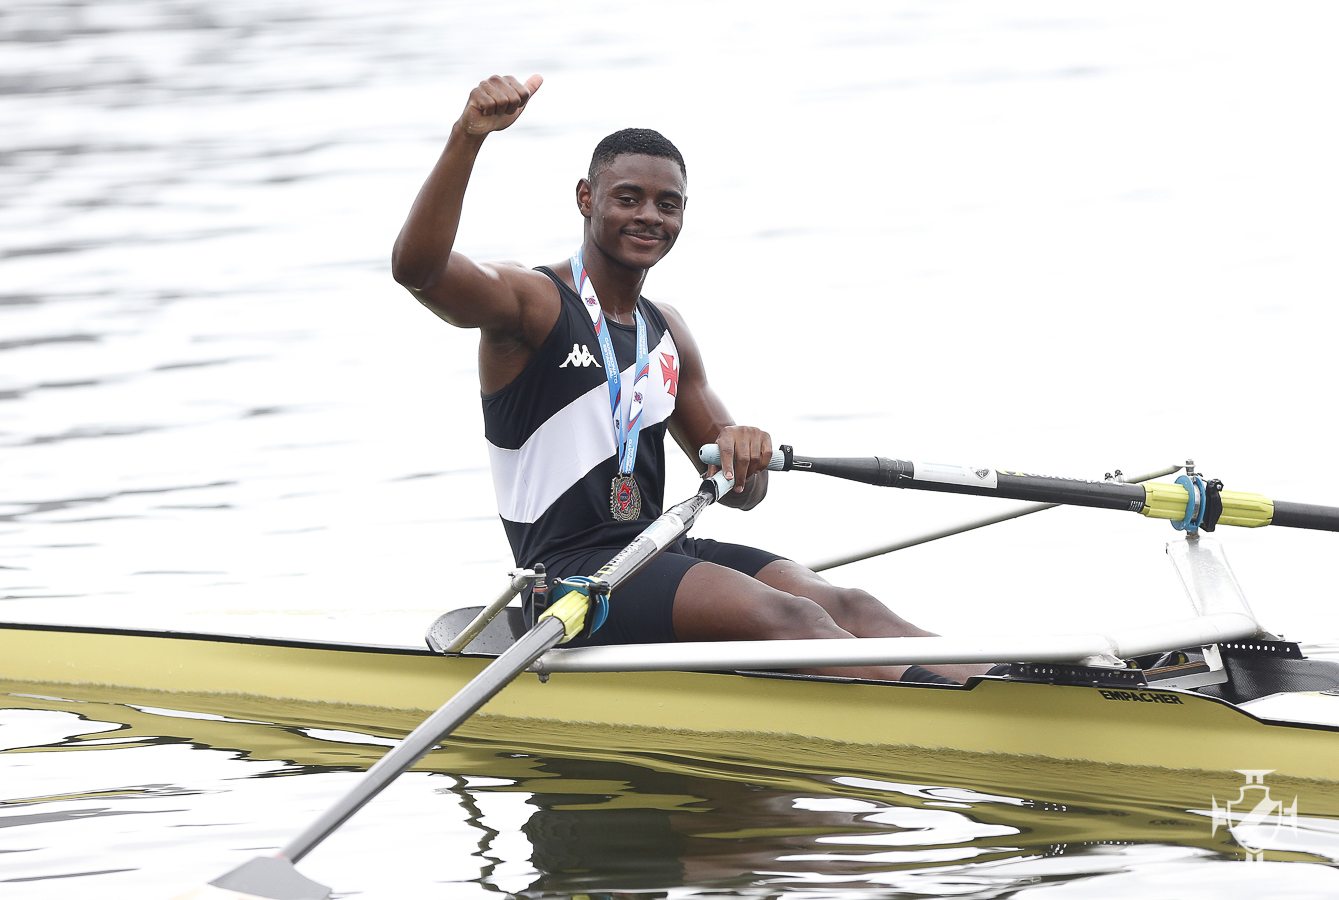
571	442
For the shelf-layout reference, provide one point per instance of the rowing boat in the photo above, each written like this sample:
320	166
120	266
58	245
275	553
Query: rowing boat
1251	702
1258	706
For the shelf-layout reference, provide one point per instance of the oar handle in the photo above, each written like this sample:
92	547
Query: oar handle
780	461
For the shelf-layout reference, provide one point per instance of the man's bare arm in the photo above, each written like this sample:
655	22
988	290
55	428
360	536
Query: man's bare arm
459	290
700	417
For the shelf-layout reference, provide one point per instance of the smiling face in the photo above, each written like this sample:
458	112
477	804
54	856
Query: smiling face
634	209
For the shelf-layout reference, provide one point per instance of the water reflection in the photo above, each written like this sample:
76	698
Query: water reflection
618	814
612	826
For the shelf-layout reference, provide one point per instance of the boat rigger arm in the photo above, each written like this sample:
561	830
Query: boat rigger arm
1221	614
1060	648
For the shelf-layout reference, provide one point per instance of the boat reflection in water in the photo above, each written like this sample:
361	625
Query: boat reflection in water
650	821
605	811
602	826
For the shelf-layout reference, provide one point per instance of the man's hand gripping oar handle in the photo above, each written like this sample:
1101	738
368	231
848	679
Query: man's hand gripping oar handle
780	461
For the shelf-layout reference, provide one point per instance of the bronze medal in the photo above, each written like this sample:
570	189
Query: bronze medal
625	500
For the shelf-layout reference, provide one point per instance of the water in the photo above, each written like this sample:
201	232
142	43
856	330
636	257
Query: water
571	811
1041	237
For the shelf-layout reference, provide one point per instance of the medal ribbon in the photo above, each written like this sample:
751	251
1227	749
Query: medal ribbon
626	432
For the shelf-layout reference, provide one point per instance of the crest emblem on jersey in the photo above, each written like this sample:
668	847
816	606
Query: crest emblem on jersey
669	373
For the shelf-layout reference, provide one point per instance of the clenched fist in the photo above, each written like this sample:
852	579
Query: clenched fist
496	103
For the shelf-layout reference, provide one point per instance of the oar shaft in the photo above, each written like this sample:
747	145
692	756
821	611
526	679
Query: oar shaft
951	530
1305	515
982	481
544	636
672	525
1156	500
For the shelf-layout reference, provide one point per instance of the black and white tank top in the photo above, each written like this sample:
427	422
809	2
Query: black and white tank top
551	441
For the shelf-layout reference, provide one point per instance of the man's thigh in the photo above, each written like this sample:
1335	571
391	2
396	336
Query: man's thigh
641	610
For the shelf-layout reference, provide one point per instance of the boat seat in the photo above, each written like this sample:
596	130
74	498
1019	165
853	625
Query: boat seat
497	636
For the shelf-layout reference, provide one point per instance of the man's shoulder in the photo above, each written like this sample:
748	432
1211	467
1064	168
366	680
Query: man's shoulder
671	314
506	349
556	273
518	274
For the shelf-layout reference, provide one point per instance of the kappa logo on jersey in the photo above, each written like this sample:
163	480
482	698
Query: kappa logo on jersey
580	356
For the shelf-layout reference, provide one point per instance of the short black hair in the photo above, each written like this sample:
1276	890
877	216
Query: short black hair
637	141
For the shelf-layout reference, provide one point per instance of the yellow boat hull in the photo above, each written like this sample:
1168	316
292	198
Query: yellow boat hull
1164	729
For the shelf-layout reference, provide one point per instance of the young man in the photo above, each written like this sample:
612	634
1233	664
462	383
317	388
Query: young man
581	378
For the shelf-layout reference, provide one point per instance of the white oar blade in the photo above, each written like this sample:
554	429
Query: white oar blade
262	878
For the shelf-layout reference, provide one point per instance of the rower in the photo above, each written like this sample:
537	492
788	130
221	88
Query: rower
582	377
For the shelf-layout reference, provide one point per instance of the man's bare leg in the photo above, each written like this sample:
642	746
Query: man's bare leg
714	603
855	611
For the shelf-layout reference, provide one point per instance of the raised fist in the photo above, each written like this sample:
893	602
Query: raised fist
497	102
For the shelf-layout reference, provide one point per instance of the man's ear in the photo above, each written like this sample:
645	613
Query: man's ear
585	193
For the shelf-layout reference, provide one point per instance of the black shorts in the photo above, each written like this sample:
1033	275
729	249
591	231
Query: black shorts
641	611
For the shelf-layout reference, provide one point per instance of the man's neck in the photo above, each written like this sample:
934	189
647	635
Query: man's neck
617	286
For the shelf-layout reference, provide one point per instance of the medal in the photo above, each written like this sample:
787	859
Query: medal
625	499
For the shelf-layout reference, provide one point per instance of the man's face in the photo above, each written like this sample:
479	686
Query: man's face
635	208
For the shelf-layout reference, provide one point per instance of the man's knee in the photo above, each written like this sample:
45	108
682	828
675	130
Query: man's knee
852	603
714	606
788	617
862	613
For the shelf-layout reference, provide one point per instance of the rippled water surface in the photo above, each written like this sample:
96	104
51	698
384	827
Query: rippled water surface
1039	236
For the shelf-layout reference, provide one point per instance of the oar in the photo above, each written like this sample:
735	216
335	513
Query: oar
962	527
1191	502
275	877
